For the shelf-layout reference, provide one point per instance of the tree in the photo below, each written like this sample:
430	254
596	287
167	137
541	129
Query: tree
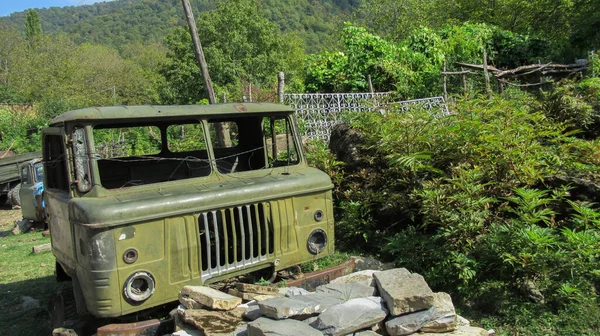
240	45
33	26
553	19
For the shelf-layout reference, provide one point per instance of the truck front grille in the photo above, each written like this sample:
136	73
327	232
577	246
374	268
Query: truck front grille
234	238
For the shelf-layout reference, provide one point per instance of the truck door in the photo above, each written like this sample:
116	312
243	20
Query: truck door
26	192
57	196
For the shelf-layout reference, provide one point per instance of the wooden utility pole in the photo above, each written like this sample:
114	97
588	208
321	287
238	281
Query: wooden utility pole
187	8
222	129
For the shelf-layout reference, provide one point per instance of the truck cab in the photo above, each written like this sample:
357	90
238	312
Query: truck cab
32	174
144	200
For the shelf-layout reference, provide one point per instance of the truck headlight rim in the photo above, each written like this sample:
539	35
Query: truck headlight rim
139	287
317	241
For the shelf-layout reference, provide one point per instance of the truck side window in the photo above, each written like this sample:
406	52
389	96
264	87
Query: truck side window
55	163
238	144
185	138
25	177
279	139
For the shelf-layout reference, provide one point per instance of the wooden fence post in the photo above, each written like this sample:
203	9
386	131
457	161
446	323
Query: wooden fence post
464	79
250	90
280	86
486	74
445	84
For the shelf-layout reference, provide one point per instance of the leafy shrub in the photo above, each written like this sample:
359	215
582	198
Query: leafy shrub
20	131
575	103
467	201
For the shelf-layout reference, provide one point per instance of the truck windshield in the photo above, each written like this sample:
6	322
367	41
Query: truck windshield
130	155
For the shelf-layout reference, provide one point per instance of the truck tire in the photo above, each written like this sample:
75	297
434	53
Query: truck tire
3	199
13	195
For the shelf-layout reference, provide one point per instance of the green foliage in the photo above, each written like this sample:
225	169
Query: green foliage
575	103
325	262
119	23
392	67
33	26
263	282
20	131
563	23
467	201
412	67
240	45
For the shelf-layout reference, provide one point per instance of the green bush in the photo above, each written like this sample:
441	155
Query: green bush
20	131
470	200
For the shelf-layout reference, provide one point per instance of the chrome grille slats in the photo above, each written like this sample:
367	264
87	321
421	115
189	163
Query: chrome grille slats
234	238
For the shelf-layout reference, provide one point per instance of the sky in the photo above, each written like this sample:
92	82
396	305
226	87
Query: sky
10	6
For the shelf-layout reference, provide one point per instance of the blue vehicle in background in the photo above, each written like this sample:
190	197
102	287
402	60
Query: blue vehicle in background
31	192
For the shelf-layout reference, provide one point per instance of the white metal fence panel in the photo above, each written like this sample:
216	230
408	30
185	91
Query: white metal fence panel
319	112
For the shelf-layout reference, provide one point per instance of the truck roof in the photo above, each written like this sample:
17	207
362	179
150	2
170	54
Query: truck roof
162	111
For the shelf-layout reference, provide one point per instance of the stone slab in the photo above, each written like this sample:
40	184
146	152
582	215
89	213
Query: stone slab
460	331
347	291
293	291
212	322
366	333
350	316
444	319
366	263
190	303
409	323
257	289
210	297
267	327
363	277
252	296
403	292
252	313
461	321
282	308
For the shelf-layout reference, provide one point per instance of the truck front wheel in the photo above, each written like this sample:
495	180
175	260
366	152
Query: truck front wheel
3	199
13	195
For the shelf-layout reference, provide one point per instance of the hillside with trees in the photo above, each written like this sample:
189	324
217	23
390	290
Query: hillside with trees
121	22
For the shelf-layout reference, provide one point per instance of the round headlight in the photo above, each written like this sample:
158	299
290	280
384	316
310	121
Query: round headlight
317	241
139	287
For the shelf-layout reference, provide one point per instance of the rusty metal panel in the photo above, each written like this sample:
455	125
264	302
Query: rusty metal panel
312	280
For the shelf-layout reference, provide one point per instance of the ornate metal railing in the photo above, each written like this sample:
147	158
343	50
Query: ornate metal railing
319	112
435	105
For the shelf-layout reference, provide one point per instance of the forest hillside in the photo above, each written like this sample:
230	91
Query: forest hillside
121	22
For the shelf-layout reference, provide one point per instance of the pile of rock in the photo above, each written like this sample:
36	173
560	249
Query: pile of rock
392	302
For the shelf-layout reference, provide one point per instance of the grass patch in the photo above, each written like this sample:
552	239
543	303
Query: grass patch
23	274
331	260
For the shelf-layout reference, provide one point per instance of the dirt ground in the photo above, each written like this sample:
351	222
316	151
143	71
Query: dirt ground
8	217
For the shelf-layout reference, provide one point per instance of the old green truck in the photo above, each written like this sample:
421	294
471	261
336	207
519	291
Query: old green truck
144	200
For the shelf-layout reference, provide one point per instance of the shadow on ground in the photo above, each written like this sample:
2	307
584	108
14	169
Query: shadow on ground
25	306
